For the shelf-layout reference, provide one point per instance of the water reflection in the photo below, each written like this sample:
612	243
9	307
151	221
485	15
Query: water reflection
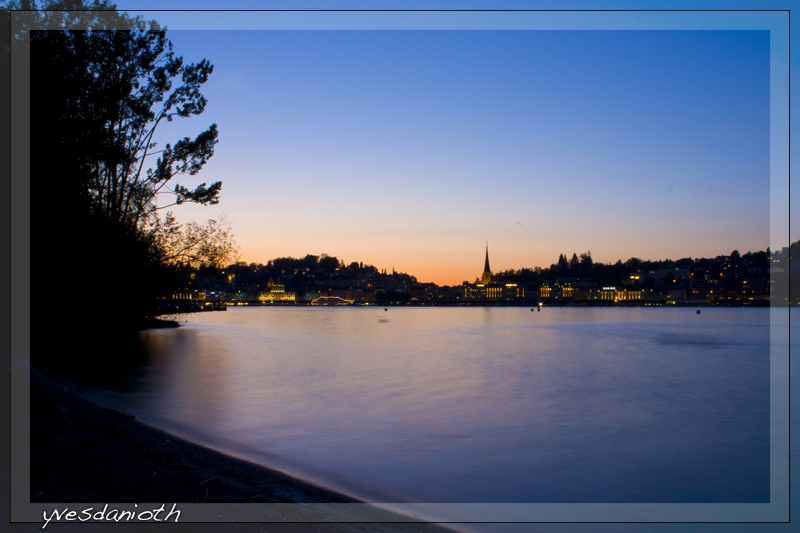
477	405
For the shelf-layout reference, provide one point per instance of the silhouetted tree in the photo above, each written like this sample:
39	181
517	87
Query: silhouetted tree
199	246
121	91
586	261
309	262
563	266
99	96
328	264
634	264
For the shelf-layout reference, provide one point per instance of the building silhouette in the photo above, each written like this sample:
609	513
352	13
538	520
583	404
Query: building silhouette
486	277
490	289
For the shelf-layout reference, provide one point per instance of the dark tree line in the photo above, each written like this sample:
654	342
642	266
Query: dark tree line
99	228
296	274
583	267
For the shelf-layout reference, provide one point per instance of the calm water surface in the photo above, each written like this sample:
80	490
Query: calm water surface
474	404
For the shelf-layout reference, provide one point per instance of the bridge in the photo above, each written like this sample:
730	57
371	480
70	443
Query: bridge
331	300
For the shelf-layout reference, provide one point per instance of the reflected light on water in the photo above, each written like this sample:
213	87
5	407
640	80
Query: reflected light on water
476	404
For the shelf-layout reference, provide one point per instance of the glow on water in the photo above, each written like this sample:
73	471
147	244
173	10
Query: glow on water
474	404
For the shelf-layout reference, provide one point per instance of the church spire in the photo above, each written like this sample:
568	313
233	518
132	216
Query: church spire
487	272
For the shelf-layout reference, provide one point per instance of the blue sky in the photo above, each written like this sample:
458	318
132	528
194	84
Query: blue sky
410	149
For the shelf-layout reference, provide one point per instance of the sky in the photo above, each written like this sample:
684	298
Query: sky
413	149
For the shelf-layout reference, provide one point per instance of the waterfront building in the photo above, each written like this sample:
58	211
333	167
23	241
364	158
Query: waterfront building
346	294
545	291
701	289
513	291
277	293
756	288
626	295
313	295
365	295
557	291
490	289
237	297
481	291
674	295
189	294
214	296
617	295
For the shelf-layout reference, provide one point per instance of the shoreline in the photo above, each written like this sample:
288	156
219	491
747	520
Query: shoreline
761	304
82	452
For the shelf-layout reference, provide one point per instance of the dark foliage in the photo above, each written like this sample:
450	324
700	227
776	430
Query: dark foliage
97	97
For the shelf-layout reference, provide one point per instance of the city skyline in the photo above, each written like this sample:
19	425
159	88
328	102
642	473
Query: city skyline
568	256
480	272
760	279
410	149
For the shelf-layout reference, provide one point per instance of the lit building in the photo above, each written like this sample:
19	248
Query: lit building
188	294
556	291
277	293
488	289
512	291
614	294
545	291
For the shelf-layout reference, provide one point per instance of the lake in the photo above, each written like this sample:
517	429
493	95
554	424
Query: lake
589	405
